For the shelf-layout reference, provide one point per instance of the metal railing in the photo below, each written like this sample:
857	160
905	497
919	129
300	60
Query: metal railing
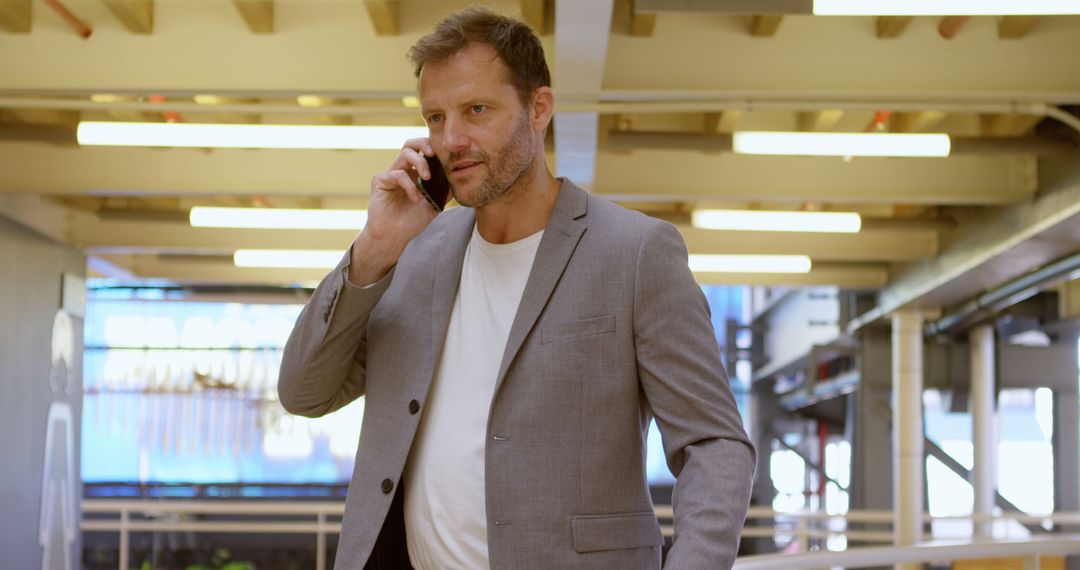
1029	551
801	529
176	516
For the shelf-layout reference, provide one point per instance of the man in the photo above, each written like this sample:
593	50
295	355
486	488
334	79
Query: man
513	350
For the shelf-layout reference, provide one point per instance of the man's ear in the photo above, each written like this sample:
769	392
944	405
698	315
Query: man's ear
543	108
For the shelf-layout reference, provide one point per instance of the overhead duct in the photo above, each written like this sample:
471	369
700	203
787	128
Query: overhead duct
1011	293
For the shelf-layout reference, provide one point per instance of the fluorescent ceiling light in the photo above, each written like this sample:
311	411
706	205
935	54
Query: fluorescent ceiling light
288	258
841	144
278	218
326	259
946	7
749	220
700	263
245	136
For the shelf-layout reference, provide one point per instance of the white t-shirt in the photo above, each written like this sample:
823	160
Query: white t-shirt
445	511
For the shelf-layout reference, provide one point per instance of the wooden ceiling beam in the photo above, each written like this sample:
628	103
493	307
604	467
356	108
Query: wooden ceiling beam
865	276
384	16
15	16
642	24
136	15
1015	27
220	270
820	120
1007	125
540	14
765	26
892	26
257	14
915	122
721	123
107	237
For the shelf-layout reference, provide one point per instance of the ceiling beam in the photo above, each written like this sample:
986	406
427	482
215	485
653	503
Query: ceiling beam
765	26
721	123
15	16
888	245
110	269
40	117
257	14
915	122
38	213
995	251
150	236
1015	27
642	24
539	14
220	270
844	276
1007	125
648	174
136	15
621	140
384	16
644	174
819	121
734	7
892	26
582	33
211	271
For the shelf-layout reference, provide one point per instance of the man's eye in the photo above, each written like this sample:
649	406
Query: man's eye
479	108
434	119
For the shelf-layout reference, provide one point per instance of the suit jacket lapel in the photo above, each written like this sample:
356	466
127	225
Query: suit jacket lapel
561	236
455	238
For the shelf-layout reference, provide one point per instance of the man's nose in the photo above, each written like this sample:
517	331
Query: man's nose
454	136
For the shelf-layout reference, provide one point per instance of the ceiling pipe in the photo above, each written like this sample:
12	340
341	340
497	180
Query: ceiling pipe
630	140
81	27
1005	296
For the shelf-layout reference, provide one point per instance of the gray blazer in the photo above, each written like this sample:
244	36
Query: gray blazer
611	330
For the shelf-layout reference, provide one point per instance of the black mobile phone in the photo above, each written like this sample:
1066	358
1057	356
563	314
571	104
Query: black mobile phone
437	188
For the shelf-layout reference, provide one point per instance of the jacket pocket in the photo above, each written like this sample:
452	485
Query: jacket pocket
575	329
593	533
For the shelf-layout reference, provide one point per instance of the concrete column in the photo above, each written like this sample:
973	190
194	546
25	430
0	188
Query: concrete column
984	434
908	462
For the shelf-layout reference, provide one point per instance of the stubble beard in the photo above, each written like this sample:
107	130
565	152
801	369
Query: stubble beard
512	165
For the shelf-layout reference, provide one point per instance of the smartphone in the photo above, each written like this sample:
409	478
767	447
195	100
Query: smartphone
437	188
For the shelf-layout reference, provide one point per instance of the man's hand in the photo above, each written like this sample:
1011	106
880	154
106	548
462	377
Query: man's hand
397	213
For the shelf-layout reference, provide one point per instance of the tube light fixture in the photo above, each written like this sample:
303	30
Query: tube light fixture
765	221
842	144
701	263
278	218
946	7
287	258
336	137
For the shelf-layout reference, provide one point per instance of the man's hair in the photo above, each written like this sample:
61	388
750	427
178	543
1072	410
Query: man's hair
515	43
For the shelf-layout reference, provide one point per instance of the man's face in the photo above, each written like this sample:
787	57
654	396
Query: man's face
477	124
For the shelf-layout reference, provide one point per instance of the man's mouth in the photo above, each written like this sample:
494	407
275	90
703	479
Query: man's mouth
464	166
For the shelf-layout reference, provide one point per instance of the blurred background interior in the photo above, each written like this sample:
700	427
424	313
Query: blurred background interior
906	363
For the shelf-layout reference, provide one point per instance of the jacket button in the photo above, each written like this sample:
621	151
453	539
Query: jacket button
387	486
414	407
